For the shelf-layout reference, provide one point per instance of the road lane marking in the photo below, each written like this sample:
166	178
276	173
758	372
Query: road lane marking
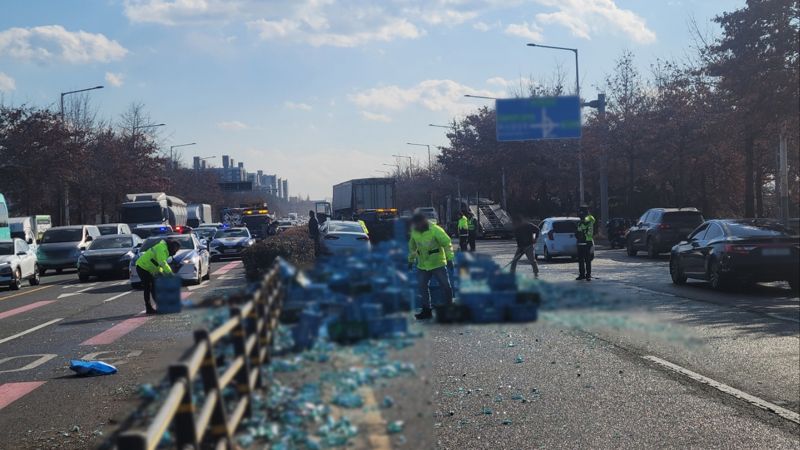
10	392
117	331
70	294
226	268
113	360
198	286
28	291
30	330
116	297
752	399
42	358
185	295
22	309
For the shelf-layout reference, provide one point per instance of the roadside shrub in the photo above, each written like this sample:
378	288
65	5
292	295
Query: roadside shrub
293	245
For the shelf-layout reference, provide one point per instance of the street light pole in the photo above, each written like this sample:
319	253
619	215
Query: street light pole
65	193
429	152
172	155
410	163
578	94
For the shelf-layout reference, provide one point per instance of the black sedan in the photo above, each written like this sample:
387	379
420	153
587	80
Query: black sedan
108	256
742	251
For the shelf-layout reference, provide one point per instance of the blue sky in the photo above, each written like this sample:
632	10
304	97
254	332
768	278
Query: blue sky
320	91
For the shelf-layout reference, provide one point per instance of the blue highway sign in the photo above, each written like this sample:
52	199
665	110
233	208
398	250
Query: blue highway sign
531	119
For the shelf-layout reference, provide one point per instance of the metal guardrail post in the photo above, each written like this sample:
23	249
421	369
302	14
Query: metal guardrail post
210	376
242	378
183	423
132	440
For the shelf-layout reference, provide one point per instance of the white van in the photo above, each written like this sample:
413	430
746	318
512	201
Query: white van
557	238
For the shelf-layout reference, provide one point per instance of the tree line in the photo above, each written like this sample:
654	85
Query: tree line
702	132
46	156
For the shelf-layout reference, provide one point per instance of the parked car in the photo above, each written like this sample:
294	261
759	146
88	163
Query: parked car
339	237
145	231
191	263
17	263
743	250
617	231
429	212
114	228
230	242
660	228
557	238
61	246
108	255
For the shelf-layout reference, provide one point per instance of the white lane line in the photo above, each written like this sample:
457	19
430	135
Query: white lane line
116	297
198	286
70	294
752	399
30	330
77	284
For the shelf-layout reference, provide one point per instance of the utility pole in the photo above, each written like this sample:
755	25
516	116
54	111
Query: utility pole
601	115
503	179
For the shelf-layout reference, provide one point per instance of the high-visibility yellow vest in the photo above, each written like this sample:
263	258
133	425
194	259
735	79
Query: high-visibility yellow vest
154	259
430	249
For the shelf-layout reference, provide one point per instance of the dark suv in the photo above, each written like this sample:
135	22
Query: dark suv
660	228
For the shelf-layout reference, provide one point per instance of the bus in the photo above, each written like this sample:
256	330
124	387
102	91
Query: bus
5	231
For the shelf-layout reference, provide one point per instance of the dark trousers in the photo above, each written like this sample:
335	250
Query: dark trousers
148	286
585	259
529	253
463	241
472	235
424	278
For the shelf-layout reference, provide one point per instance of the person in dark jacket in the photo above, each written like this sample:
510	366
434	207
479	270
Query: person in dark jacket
526	235
313	230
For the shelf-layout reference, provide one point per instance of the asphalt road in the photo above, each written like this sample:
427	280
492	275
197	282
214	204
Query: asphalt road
42	403
628	360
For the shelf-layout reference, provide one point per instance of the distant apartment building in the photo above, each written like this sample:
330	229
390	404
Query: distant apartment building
234	177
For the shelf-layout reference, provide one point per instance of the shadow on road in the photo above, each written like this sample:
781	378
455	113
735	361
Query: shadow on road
99	319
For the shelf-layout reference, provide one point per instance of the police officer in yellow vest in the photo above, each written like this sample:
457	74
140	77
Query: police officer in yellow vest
430	247
473	230
585	237
152	263
463	231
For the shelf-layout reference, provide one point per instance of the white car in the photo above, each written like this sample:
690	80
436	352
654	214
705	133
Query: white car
557	238
429	212
339	237
191	263
230	243
17	263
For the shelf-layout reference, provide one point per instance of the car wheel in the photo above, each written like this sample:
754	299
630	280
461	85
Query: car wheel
714	276
199	278
630	248
16	283
651	249
547	256
83	278
34	280
59	271
208	274
676	271
42	272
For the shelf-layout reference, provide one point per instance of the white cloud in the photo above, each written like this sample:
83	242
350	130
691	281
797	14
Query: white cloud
500	81
375	117
433	95
7	84
298	106
176	12
115	79
232	125
531	32
587	17
298	31
54	42
482	26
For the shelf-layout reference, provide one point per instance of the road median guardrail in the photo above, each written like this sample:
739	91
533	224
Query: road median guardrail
207	420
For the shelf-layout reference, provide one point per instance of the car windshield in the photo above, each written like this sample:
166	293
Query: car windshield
111	242
6	248
565	226
186	242
205	233
108	229
757	229
53	236
345	227
683	218
231	233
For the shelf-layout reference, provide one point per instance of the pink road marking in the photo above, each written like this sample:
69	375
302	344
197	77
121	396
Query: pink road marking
226	268
22	309
185	295
117	331
10	392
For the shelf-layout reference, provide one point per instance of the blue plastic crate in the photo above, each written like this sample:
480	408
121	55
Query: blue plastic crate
522	313
503	299
371	311
475	298
168	294
486	313
395	324
500	281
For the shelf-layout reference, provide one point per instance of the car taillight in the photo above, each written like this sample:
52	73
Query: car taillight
550	235
739	249
664	226
331	237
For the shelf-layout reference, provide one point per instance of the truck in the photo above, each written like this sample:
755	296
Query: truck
197	214
153	208
257	219
493	220
23	228
369	199
43	223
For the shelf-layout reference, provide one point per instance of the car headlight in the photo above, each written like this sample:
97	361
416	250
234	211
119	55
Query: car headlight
192	260
5	267
126	257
